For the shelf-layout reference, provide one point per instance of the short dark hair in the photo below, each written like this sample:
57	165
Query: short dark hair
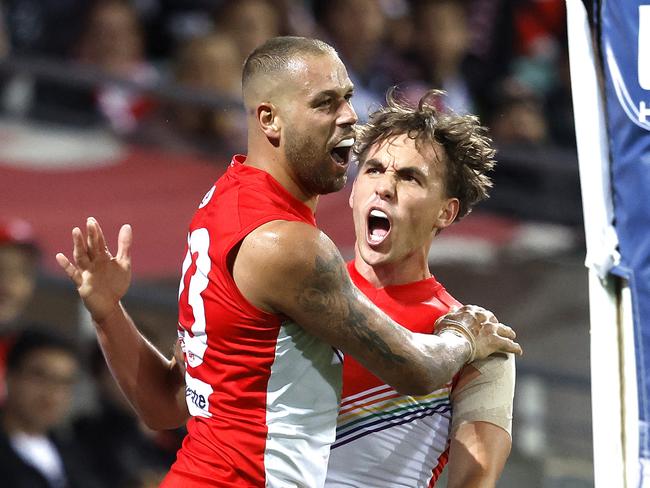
274	55
35	337
468	151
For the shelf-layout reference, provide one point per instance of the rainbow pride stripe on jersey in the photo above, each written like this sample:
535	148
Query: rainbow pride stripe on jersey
382	407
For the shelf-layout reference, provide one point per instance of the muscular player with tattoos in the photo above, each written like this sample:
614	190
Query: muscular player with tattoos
266	304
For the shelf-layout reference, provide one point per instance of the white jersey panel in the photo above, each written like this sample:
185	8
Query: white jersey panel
388	440
303	396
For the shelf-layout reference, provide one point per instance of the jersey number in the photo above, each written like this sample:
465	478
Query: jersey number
196	268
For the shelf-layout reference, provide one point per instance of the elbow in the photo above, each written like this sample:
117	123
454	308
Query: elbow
168	418
154	424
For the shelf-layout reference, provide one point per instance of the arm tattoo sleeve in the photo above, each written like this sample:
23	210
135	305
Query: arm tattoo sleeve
329	293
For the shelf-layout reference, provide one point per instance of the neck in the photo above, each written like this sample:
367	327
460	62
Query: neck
278	168
408	270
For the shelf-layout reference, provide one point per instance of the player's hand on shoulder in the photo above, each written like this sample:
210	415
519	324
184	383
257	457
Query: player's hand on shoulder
482	329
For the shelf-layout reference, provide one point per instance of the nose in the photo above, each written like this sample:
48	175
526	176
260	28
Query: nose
347	115
385	188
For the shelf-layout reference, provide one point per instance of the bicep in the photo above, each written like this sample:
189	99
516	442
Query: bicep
297	271
482	422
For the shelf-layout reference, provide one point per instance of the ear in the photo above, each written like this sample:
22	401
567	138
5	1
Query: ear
267	118
448	213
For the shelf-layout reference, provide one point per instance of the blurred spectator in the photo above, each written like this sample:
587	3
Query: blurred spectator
123	451
15	90
493	40
539	26
399	31
42	369
113	41
442	44
34	26
209	65
535	178
297	19
351	24
18	268
169	23
209	62
249	23
517	115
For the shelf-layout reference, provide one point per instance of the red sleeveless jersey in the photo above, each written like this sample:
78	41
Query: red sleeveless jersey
251	375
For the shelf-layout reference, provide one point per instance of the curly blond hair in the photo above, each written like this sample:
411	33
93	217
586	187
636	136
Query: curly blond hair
468	150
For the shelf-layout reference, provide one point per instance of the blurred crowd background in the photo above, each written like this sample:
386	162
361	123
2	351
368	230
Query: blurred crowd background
129	110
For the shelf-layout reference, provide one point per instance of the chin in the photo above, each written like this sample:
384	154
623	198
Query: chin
340	182
333	186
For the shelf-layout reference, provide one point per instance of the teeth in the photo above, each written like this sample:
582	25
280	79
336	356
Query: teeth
346	142
378	213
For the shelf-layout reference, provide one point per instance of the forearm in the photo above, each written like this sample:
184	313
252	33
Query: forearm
153	384
430	362
477	455
451	353
413	364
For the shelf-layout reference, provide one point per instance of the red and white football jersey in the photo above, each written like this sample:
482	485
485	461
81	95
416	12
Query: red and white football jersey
262	392
385	439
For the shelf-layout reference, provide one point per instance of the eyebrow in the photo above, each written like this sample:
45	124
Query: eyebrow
369	162
412	171
408	170
333	92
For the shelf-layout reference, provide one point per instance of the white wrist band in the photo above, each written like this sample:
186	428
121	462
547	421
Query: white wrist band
460	329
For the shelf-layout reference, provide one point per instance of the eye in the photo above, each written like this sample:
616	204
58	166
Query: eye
325	103
410	178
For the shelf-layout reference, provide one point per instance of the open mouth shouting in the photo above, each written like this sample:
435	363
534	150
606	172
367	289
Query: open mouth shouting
341	152
378	227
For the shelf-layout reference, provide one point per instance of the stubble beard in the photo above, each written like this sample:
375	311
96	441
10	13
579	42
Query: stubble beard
311	166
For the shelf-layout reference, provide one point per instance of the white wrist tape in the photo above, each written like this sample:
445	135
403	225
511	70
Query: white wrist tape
444	324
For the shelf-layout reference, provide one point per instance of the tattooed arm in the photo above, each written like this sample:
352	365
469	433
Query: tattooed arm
294	269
